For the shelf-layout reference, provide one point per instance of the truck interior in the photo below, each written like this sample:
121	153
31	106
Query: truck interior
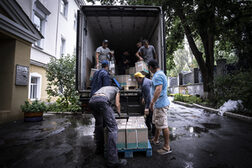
123	27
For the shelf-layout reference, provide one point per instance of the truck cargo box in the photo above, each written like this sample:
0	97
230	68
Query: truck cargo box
123	27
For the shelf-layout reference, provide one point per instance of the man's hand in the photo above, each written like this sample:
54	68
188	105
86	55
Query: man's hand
143	102
146	112
97	66
141	59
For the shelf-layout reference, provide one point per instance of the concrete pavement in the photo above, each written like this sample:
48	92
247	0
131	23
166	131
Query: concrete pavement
199	140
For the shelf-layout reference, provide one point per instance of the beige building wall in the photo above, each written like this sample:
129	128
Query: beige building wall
13	52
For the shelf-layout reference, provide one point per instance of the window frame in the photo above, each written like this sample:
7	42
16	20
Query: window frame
62	47
42	29
39	85
42	13
65	8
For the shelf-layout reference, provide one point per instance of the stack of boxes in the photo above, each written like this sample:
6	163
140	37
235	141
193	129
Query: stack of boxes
133	134
126	81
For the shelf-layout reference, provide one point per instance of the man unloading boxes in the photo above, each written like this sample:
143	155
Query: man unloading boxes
103	53
101	78
160	104
101	104
145	84
146	52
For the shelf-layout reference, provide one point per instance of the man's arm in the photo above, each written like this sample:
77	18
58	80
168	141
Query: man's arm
138	56
157	93
117	103
97	59
146	95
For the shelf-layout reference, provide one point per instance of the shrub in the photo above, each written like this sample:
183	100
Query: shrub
237	86
34	107
61	83
187	98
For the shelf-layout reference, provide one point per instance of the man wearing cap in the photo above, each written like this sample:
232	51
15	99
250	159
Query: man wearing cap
160	105
103	53
101	78
145	84
101	104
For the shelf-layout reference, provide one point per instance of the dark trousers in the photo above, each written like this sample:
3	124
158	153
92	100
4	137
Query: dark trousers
104	117
149	124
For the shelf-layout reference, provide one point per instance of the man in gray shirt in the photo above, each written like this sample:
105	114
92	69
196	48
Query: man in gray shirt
146	52
103	53
101	104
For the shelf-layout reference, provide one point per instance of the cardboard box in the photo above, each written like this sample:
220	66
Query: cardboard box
126	80
121	121
93	70
136	134
141	66
142	135
132	70
121	136
136	118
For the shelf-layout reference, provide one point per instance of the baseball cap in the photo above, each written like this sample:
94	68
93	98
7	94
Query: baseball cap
105	62
139	75
105	41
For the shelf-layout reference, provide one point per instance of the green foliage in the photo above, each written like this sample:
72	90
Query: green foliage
61	83
226	50
236	86
187	98
34	107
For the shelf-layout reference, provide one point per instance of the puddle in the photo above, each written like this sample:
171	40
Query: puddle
211	125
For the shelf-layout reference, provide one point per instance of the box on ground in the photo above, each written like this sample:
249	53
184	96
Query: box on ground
136	134
142	67
121	136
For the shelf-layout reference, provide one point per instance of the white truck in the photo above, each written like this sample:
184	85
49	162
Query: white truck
123	26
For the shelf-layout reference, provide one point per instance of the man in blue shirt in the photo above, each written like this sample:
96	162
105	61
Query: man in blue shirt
159	104
101	78
145	84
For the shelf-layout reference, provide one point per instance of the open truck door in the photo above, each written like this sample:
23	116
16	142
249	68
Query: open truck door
80	43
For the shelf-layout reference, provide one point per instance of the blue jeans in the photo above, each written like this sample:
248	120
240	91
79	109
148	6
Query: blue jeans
104	117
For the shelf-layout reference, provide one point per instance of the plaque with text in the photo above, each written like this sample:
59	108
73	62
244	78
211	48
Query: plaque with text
22	75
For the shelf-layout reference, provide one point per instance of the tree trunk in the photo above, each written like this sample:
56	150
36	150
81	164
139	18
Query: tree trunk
206	67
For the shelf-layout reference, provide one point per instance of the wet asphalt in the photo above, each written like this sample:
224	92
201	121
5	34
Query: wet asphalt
199	139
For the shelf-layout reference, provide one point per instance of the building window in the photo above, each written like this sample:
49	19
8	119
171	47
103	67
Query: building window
39	23
40	13
35	86
75	22
62	46
63	7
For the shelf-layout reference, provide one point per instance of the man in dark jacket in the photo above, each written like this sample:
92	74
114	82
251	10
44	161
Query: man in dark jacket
145	84
101	78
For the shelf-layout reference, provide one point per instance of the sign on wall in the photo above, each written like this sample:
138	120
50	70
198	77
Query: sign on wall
22	75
